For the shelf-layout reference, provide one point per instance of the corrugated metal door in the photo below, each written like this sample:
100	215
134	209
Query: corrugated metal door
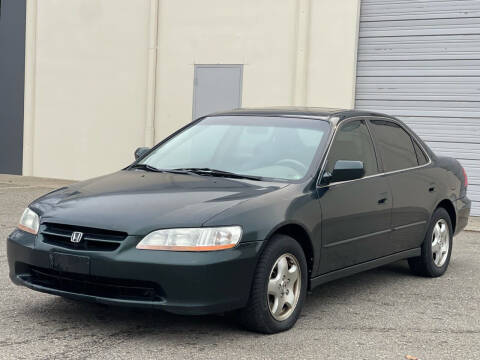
420	60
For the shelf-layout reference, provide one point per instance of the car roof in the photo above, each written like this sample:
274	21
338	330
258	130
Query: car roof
331	114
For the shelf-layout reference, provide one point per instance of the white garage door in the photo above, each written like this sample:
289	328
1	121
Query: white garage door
420	60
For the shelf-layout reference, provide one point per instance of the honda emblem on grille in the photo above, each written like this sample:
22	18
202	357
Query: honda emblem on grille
76	237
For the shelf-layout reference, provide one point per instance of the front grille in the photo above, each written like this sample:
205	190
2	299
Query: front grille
93	239
94	285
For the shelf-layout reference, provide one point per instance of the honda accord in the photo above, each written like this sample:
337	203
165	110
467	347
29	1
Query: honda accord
243	212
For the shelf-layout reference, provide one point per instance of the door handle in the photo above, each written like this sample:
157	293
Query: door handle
383	198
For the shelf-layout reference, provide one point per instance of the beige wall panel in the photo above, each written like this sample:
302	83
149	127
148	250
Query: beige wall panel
90	85
257	33
332	53
88	61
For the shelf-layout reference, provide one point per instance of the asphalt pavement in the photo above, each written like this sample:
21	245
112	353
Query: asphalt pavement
385	313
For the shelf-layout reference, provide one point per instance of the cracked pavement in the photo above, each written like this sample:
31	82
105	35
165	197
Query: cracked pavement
380	314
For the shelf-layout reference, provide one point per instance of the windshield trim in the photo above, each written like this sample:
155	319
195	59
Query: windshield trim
310	173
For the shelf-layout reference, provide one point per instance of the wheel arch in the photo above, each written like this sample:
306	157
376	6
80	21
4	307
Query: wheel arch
300	234
448	206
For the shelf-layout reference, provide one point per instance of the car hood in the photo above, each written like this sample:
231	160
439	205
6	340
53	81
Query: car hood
138	202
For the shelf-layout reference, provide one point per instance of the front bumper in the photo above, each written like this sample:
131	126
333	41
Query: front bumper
178	282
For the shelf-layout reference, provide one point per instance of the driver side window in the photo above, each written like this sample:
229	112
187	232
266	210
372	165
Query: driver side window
353	142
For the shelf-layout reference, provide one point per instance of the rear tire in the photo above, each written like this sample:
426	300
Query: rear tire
279	288
436	248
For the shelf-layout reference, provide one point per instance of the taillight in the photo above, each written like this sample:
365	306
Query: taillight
465	177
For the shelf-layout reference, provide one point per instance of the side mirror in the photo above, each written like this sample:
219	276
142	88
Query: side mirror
140	152
344	170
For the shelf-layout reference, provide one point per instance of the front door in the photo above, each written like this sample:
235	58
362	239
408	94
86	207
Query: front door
355	214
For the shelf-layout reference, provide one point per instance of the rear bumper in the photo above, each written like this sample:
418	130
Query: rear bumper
463	207
178	282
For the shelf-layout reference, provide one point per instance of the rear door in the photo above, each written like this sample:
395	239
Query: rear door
355	214
411	182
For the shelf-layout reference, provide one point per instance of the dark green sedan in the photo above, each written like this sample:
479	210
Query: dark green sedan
243	212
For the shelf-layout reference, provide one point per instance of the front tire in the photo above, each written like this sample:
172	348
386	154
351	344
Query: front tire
279	287
436	248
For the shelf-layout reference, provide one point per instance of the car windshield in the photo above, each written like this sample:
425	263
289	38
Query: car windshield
267	147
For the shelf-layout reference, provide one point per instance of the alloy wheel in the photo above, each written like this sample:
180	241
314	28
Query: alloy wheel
440	242
284	287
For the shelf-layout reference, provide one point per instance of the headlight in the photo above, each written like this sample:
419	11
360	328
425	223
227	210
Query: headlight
29	221
192	239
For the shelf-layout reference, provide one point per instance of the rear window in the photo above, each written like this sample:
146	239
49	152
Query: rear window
421	157
395	146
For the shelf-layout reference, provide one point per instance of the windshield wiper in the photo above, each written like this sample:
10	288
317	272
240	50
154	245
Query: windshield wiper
151	168
220	173
199	171
145	167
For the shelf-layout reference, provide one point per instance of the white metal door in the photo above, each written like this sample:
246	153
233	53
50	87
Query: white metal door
216	88
419	60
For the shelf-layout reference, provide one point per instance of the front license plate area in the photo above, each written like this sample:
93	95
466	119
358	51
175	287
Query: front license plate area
70	263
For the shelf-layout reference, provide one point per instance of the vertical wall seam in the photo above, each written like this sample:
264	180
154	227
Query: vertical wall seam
30	87
152	74
294	52
301	53
307	51
355	56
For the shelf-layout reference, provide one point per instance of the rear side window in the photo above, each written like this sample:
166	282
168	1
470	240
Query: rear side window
395	146
421	157
353	142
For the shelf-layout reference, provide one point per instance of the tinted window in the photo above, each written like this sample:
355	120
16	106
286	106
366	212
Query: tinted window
421	157
273	147
353	142
395	146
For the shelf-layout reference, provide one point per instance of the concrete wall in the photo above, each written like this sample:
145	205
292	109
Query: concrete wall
106	76
87	93
333	53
